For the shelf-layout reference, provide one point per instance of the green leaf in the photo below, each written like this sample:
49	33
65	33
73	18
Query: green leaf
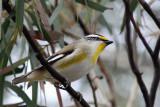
33	17
56	12
123	24
39	25
133	5
34	63
92	5
46	34
0	20
1	90
4	56
7	70
6	50
104	22
19	14
19	62
20	93
7	31
2	78
5	25
16	71
34	92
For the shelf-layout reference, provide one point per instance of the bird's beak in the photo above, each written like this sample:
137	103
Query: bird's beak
108	42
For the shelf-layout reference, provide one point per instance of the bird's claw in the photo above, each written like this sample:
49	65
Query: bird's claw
62	86
79	95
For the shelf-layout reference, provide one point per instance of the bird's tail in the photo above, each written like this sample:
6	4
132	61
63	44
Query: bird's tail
19	79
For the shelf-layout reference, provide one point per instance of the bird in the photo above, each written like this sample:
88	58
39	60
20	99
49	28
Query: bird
73	61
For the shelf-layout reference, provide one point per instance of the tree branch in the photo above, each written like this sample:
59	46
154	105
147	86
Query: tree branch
44	20
156	78
155	83
157	48
149	11
93	90
134	67
109	81
148	48
139	32
42	60
59	96
78	19
155	58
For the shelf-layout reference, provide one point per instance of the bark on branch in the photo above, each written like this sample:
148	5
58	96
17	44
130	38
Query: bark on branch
134	67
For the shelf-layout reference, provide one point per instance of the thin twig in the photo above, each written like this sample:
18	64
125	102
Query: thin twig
155	58
149	11
78	19
140	34
109	81
134	67
59	97
156	78
133	94
71	34
157	48
42	60
42	15
155	83
77	103
44	19
93	90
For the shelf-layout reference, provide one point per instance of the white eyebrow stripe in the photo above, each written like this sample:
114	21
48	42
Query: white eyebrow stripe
93	35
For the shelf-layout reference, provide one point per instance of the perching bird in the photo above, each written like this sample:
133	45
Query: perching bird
73	61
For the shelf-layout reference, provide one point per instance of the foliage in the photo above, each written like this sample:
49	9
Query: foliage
52	21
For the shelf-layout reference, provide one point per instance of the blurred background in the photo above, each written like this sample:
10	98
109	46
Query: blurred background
55	23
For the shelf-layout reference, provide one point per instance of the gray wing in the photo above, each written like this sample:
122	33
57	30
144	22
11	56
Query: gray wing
67	50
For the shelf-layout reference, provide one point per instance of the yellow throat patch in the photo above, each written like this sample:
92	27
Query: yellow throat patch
99	49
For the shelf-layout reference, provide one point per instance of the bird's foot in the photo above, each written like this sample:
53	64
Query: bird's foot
80	97
62	86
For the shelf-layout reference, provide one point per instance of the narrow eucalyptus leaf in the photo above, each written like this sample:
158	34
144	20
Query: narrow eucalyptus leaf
1	90
17	70
19	14
92	5
104	22
56	12
20	93
7	70
133	5
35	92
5	25
34	84
123	24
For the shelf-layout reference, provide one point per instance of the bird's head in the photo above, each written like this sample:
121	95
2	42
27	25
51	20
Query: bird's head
97	44
98	38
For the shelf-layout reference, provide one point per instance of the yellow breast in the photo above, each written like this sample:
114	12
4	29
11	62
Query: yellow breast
96	54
